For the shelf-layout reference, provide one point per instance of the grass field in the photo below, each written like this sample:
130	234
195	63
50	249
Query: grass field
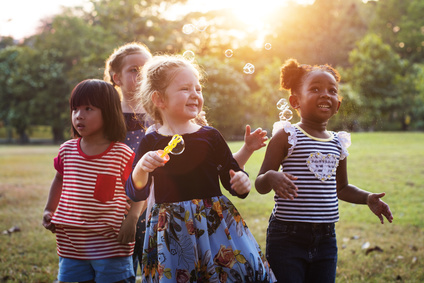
378	162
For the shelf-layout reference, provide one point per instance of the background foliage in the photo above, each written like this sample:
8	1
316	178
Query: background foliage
378	47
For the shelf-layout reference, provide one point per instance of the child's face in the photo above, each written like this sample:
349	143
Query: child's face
88	121
319	98
183	96
127	78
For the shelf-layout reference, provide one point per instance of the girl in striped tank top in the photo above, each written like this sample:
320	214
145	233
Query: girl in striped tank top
87	200
301	239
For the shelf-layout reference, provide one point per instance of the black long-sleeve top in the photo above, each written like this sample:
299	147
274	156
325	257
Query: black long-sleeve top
194	174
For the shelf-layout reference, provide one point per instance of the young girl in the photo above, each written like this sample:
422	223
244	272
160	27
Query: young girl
86	203
122	70
301	240
194	233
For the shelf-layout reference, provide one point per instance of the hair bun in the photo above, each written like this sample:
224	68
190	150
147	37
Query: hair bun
291	72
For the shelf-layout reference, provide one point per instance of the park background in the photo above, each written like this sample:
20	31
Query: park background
377	46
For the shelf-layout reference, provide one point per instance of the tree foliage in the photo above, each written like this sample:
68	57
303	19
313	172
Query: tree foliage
377	46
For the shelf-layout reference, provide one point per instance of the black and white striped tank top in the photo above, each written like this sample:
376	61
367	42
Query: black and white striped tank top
314	161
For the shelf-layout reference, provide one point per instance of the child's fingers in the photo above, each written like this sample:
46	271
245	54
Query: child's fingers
284	187
239	182
247	131
150	161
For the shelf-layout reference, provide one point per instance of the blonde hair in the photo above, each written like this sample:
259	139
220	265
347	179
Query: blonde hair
156	75
114	63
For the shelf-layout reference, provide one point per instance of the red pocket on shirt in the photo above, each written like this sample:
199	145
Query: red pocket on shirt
105	187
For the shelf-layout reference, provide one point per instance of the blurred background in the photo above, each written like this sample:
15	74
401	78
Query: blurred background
47	47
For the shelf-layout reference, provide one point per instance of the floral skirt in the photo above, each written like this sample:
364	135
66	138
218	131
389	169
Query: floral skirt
201	240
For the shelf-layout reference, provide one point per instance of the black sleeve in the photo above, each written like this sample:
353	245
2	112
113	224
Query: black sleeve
225	161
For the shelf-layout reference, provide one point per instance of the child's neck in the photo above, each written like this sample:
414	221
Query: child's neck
128	107
169	129
94	145
314	128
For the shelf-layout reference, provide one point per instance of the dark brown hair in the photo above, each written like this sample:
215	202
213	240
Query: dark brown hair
293	74
105	97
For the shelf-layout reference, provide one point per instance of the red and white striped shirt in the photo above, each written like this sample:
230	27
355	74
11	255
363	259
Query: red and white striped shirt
92	203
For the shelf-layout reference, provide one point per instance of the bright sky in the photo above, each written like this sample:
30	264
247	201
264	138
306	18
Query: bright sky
20	18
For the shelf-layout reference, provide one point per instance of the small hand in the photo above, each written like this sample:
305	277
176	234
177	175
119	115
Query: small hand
379	207
150	161
47	221
127	231
240	182
282	184
255	140
127	205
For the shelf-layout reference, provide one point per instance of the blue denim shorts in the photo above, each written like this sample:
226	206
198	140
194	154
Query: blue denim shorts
302	252
101	270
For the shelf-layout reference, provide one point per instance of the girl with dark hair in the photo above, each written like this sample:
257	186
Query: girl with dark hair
87	201
301	238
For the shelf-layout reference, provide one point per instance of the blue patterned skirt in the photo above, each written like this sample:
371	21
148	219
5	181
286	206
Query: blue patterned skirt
201	240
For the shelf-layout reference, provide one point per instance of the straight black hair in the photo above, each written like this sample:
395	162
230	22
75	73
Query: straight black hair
105	97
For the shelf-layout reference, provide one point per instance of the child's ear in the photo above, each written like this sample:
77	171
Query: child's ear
294	101
117	79
157	100
338	106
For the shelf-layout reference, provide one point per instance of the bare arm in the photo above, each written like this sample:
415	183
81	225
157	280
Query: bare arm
52	201
353	194
129	224
148	163
269	178
252	141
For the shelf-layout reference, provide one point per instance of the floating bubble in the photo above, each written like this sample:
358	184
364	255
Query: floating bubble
188	28
189	55
201	25
282	104
286	115
179	148
268	46
175	146
228	53
249	68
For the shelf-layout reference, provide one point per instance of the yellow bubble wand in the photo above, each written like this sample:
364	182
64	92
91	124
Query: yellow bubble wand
171	145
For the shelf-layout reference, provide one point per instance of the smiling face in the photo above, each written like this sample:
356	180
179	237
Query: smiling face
318	99
183	99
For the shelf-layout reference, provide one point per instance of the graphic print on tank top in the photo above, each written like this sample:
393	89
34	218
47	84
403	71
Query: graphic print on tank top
322	165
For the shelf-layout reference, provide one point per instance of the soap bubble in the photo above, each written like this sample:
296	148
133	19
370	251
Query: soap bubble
189	55
188	28
179	147
228	53
201	25
268	46
249	68
282	104
286	115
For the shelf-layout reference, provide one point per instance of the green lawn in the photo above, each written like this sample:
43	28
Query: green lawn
378	162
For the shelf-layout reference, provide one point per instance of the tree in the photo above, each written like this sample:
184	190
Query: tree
324	32
376	75
225	97
17	88
400	24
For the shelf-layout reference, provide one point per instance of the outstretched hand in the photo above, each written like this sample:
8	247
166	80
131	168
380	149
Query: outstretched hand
256	139
379	207
240	182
